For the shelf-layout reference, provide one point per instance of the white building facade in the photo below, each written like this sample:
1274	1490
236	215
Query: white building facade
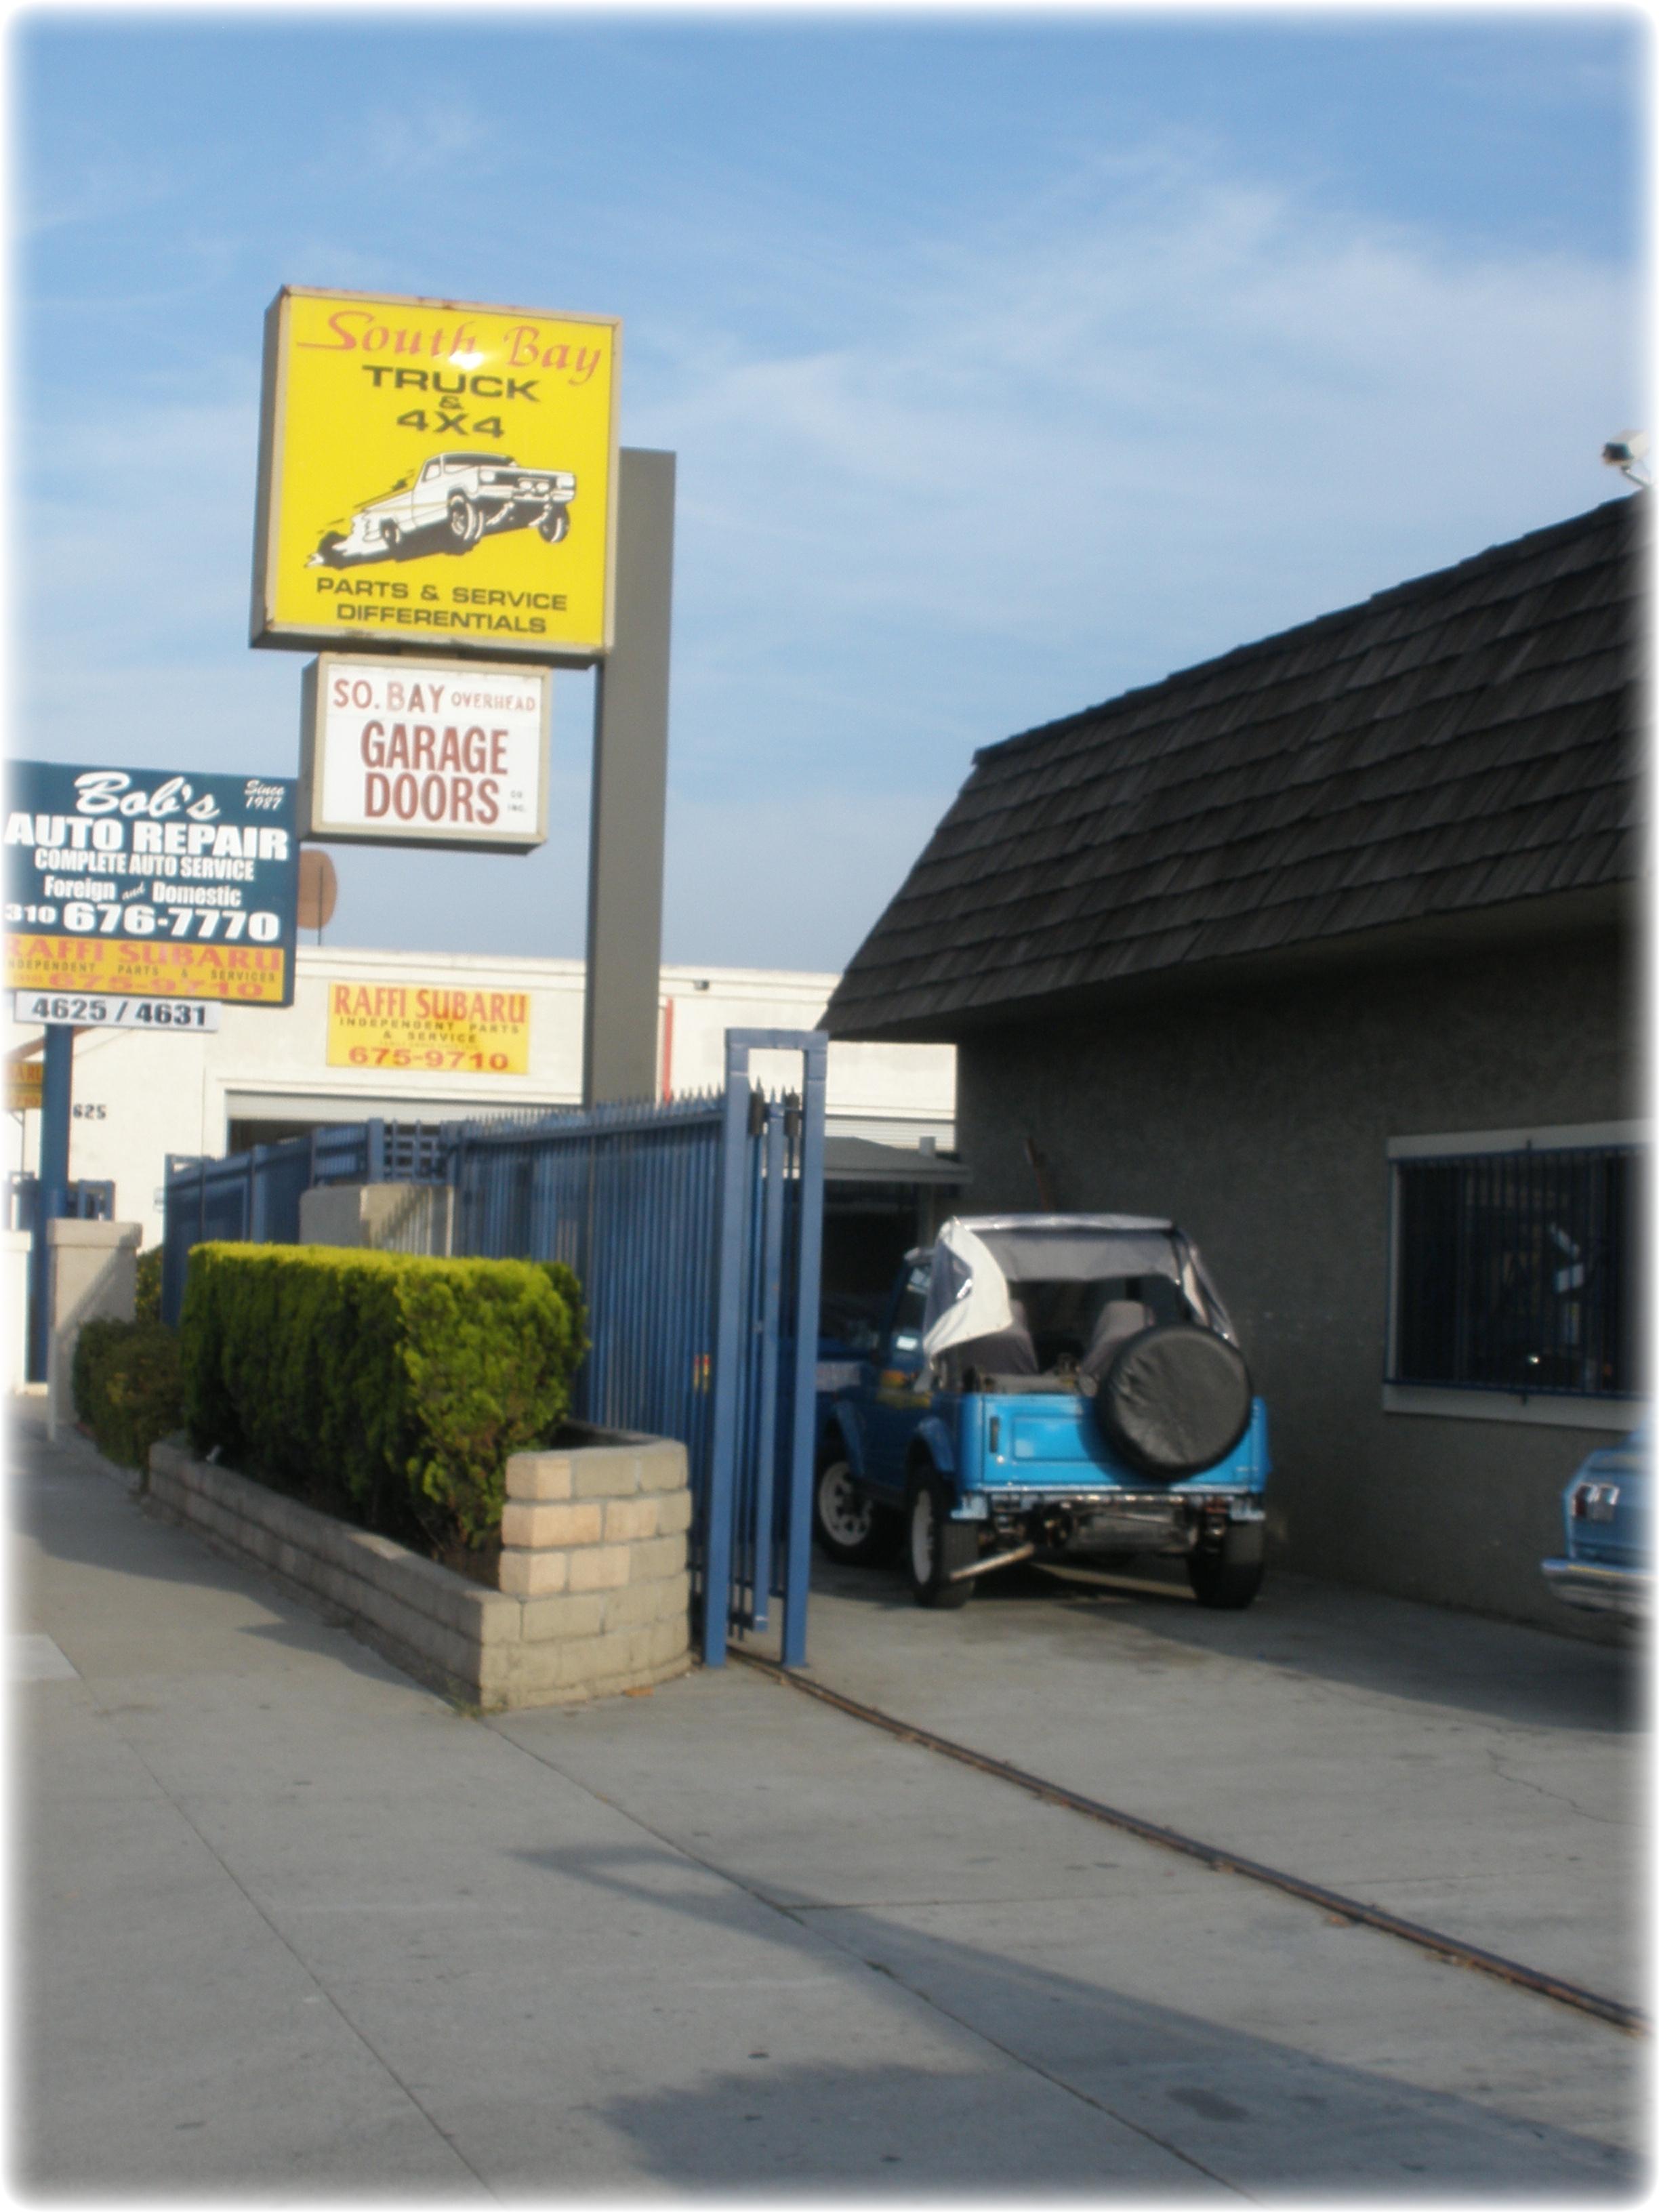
268	1073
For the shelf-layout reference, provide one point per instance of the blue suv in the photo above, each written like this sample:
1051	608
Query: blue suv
1047	1384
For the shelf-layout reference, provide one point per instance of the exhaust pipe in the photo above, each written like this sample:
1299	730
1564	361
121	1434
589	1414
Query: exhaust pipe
989	1567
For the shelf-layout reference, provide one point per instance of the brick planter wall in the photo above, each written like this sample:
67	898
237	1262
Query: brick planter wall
597	1612
594	1544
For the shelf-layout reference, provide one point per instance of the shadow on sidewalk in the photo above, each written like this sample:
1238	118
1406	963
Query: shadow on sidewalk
84	1511
1217	2102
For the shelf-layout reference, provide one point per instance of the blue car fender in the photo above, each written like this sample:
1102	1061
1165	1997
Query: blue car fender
941	1445
843	1430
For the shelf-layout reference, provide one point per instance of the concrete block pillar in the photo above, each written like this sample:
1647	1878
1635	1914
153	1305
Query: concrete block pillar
379	1217
15	1246
593	1539
94	1276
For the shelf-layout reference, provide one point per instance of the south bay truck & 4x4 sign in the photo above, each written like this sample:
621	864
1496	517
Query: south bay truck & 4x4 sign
436	475
136	882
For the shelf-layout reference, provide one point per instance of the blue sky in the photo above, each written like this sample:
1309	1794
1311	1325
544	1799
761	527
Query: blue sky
1011	362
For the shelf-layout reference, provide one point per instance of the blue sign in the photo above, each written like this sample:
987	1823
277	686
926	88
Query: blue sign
139	883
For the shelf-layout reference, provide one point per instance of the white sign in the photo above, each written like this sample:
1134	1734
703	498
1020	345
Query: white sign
424	752
92	1011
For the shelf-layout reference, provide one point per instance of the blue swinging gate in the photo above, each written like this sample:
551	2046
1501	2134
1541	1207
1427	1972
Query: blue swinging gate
694	1227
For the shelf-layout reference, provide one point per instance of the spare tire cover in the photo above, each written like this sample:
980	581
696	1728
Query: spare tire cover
1175	1399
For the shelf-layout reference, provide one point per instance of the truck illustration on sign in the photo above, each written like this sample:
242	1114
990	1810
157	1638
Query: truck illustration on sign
455	500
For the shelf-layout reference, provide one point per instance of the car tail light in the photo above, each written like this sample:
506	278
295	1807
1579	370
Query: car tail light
1595	1501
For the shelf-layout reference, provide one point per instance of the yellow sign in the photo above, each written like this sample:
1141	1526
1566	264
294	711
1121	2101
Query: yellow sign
434	1028
150	968
24	1081
436	475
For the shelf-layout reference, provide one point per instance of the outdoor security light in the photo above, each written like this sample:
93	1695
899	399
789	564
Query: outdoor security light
1625	453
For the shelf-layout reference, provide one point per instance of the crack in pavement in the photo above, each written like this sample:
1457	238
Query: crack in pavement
1494	1759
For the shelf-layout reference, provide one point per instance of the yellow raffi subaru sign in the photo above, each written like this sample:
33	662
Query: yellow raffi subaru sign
428	1028
436	476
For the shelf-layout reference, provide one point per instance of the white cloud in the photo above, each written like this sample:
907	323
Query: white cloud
92	190
413	140
135	531
1157	412
1215	368
1127	433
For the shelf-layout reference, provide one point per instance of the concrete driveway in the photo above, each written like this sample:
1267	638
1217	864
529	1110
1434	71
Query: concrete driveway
1482	1778
289	1922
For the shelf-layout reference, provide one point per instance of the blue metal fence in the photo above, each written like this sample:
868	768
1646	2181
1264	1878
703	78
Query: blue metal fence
626	1196
88	1201
695	1226
254	1197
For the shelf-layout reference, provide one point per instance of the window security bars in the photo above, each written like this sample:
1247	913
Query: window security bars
1517	1272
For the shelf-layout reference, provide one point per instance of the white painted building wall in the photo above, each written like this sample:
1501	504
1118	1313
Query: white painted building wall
139	1098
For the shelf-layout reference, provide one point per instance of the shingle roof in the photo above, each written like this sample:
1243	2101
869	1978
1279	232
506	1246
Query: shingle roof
1459	742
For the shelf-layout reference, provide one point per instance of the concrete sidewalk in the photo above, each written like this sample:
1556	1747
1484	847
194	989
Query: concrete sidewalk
291	1921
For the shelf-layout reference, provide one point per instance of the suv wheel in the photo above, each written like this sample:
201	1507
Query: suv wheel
554	525
465	522
936	1545
1228	1576
849	1524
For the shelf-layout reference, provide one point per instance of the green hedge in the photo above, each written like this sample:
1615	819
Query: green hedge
127	1386
147	1297
377	1384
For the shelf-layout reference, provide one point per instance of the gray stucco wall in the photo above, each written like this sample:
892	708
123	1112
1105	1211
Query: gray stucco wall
1261	1121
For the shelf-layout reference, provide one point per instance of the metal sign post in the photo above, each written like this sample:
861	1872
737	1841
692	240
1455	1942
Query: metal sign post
630	789
57	1096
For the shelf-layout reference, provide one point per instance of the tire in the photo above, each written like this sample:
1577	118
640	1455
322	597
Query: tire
847	1522
465	522
1174	1401
1227	1578
935	1545
555	526
329	549
391	537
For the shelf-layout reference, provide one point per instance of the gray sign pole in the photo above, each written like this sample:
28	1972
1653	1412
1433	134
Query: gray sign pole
51	1194
630	789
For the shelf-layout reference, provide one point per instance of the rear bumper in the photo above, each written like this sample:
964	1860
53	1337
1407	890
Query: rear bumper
1087	1522
1627	1591
1242	1503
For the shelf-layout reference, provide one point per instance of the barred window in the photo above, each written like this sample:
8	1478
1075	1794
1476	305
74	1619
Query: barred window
1517	1270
